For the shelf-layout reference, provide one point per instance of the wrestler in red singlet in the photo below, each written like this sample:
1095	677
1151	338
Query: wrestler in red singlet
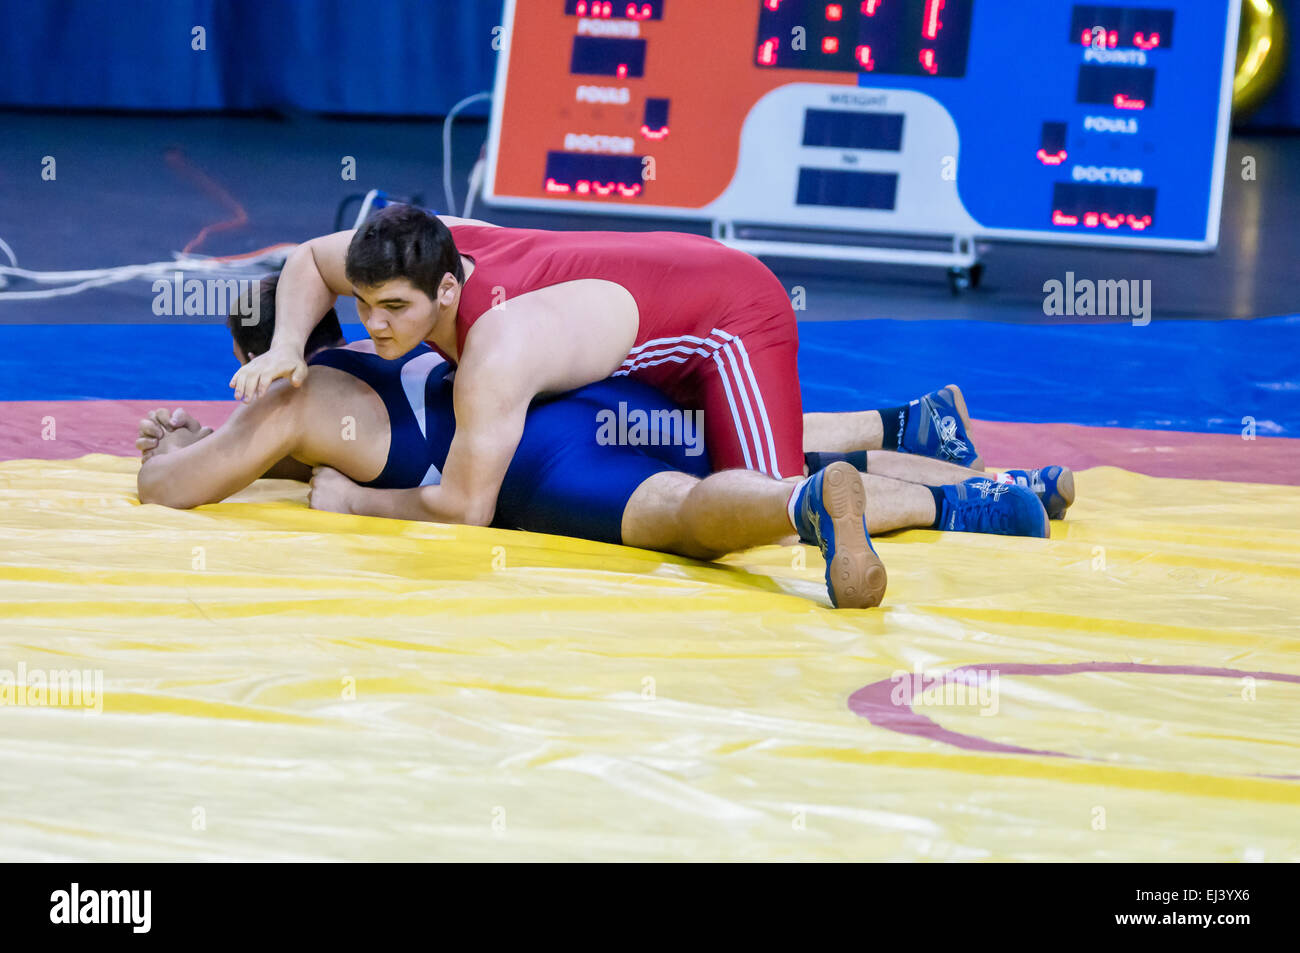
717	330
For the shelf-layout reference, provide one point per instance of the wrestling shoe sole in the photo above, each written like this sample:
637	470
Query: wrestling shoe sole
1065	490
959	400
856	574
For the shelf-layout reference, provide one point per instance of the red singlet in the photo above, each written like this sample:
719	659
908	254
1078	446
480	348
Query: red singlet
717	330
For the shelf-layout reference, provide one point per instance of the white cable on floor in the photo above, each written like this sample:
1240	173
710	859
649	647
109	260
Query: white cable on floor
99	277
13	260
446	147
125	275
475	183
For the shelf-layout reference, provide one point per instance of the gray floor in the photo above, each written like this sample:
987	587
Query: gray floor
116	200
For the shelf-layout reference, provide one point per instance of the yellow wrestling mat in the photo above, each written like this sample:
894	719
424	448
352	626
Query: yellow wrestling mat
280	684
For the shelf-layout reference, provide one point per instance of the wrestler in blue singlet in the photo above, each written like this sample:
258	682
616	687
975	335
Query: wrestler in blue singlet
561	480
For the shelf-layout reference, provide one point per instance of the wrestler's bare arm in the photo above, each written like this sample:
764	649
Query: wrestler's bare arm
497	379
255	438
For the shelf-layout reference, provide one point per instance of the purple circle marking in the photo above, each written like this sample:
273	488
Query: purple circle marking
875	702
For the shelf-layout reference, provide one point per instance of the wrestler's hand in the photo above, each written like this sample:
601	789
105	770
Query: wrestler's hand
252	380
164	431
184	431
330	491
152	429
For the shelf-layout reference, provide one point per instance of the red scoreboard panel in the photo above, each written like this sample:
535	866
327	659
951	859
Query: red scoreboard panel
592	86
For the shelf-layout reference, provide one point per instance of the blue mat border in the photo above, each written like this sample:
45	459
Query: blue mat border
1199	376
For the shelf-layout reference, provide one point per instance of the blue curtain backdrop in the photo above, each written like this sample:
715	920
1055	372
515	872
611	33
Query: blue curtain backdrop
364	57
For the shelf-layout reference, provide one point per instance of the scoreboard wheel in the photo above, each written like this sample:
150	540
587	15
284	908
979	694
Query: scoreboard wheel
959	280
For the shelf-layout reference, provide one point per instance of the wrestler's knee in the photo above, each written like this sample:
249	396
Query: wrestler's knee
654	517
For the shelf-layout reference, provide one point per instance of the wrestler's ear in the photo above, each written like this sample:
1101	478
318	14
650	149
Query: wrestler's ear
448	289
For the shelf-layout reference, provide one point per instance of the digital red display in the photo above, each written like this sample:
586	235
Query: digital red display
1104	207
888	37
1123	87
1114	28
593	175
607	56
612	10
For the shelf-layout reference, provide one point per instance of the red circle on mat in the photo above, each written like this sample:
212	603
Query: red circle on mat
875	702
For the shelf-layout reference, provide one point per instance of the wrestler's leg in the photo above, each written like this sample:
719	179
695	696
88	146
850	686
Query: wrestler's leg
1054	486
704	519
842	433
737	509
894	504
913	469
936	425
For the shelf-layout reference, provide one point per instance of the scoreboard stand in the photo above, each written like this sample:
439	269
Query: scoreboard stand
960	259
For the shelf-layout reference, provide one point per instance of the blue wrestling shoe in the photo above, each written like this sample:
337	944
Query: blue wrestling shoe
830	513
986	506
1054	486
938	426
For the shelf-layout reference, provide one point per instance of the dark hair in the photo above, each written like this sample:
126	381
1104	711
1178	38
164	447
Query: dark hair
402	241
255	338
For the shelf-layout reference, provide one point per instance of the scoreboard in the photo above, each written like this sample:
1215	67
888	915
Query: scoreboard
1031	120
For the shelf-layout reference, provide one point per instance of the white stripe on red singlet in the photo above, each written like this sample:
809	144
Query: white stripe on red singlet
734	380
758	396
